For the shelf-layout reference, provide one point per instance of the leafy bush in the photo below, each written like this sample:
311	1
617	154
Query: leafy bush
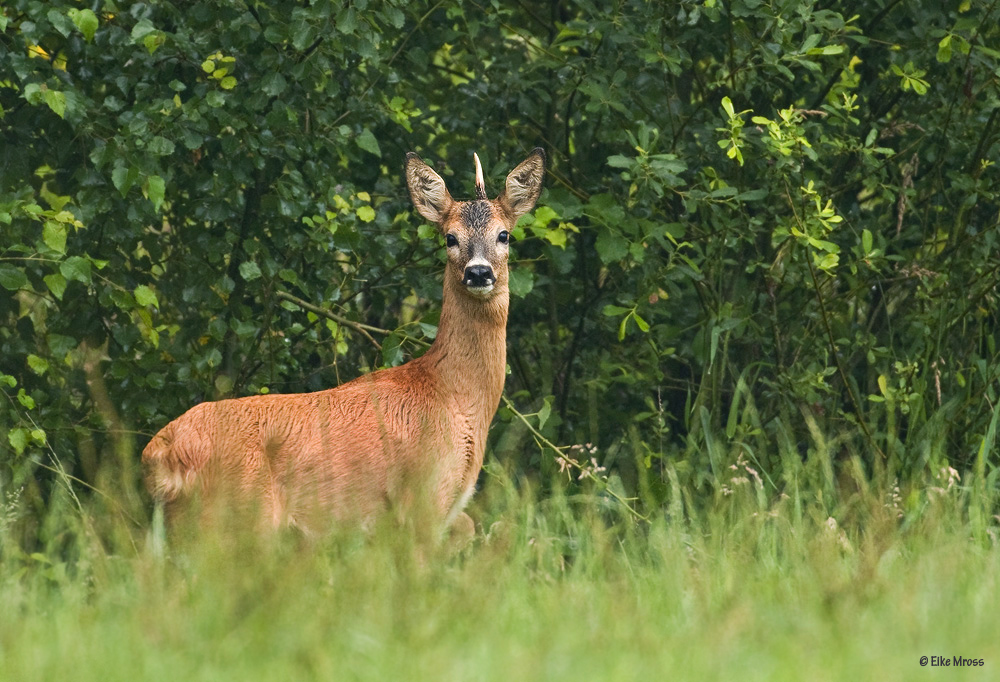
768	229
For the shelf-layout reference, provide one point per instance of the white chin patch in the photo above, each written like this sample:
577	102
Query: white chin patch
480	292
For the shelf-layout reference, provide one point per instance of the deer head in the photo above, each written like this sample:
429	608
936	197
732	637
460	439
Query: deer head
476	232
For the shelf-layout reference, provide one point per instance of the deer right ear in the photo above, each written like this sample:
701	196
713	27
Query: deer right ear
524	185
427	190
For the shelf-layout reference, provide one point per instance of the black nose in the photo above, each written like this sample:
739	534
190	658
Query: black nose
479	276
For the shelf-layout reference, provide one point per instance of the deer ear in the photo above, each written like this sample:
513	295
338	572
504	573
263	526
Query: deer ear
427	190
524	184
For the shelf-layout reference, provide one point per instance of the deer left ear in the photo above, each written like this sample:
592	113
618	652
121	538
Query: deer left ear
427	189
524	184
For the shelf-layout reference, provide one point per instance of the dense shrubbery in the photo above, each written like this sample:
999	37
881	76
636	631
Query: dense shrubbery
770	231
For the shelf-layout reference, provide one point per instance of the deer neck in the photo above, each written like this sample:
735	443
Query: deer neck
469	354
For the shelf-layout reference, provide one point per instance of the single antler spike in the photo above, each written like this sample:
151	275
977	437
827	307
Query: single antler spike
480	183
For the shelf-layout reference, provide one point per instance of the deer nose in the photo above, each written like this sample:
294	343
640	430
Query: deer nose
479	276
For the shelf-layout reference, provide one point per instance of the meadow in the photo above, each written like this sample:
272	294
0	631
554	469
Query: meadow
562	588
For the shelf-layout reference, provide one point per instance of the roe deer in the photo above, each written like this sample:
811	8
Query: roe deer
386	439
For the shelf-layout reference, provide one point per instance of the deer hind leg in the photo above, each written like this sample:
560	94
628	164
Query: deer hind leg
455	508
158	531
461	532
275	476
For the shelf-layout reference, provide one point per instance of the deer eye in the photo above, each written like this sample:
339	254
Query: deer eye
451	240
503	237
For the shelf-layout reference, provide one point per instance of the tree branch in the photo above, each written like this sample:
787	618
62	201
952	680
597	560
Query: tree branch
360	328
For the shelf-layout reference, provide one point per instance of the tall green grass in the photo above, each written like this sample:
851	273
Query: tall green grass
562	588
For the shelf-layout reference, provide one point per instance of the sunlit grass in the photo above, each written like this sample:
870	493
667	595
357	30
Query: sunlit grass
550	590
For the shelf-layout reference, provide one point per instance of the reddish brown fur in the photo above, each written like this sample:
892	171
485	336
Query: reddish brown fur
414	432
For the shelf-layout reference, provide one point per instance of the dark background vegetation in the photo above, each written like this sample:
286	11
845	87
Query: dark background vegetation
768	239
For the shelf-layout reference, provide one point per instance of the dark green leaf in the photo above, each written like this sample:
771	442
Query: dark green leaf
161	146
273	84
142	28
521	282
347	22
610	246
12	278
155	189
56	101
368	142
392	353
123	178
56	284
545	412
61	22
76	268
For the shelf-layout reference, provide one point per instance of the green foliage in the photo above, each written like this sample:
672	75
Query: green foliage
769	228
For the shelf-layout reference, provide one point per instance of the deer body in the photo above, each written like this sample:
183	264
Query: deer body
391	439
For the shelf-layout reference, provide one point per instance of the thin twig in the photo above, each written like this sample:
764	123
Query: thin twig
360	328
563	457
